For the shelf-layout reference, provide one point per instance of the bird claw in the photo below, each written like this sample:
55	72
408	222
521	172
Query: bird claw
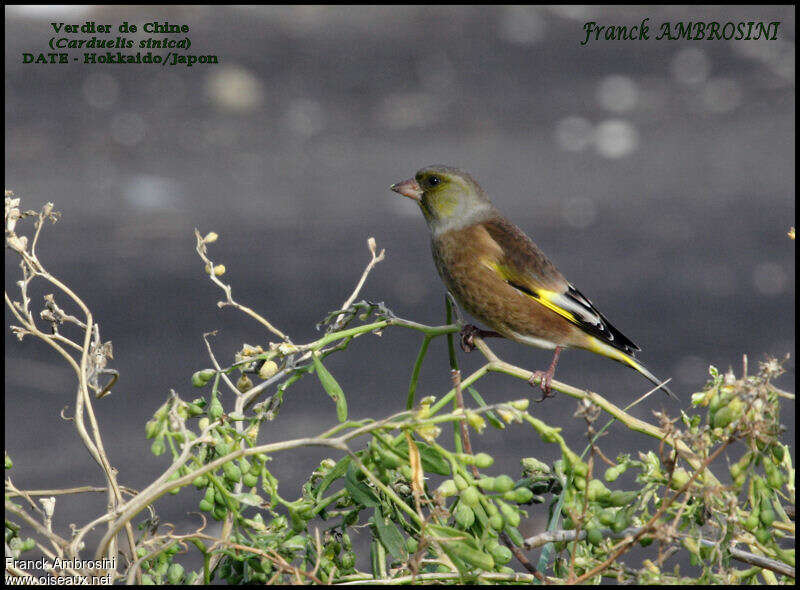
544	384
468	334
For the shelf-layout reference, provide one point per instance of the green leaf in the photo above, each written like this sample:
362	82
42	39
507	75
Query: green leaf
432	461
359	491
338	471
389	535
331	387
490	416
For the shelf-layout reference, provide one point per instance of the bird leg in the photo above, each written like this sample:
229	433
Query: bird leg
546	377
468	333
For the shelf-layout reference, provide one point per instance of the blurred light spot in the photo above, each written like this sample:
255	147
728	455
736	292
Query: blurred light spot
233	88
615	138
573	134
305	117
769	278
146	191
722	95
521	24
100	90
691	370
690	66
618	93
579	212
127	128
573	11
402	111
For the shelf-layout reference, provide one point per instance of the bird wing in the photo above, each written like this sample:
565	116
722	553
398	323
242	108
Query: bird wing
521	264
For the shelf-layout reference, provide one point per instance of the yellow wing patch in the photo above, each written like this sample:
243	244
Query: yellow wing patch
543	296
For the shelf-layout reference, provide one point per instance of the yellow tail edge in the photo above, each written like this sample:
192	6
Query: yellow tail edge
599	347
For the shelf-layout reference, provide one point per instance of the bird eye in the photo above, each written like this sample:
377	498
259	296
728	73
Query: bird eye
434	180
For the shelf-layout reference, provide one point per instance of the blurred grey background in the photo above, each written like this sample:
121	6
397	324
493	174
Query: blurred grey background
658	175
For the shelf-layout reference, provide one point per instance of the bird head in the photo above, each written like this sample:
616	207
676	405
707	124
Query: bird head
448	197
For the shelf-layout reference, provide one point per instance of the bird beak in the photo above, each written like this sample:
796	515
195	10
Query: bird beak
408	188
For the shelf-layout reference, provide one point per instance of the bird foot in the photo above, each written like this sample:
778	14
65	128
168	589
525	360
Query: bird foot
544	384
546	376
468	333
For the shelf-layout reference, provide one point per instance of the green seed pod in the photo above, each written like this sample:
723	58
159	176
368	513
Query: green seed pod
194	410
519	495
244	384
203	423
27	545
461	483
200	378
347	560
580	468
472	556
489	506
483	461
205	506
727	414
503	484
147	580
510	514
594	535
219	513
621	521
412	545
470	496
496	522
486	483
151	429
620	498
607	516
579	483
766	515
249	480
679	478
215	409
501	554
777	452
157	448
232	473
463	515
175	573
447	488
597	491
612	473
515	536
763	535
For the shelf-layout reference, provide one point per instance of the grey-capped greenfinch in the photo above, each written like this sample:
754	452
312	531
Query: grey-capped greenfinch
497	274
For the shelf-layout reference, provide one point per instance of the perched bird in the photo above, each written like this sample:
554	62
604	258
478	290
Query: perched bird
501	277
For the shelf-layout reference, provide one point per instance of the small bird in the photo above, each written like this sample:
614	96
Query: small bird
504	280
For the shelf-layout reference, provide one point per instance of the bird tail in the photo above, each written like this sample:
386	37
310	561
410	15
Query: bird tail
601	348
